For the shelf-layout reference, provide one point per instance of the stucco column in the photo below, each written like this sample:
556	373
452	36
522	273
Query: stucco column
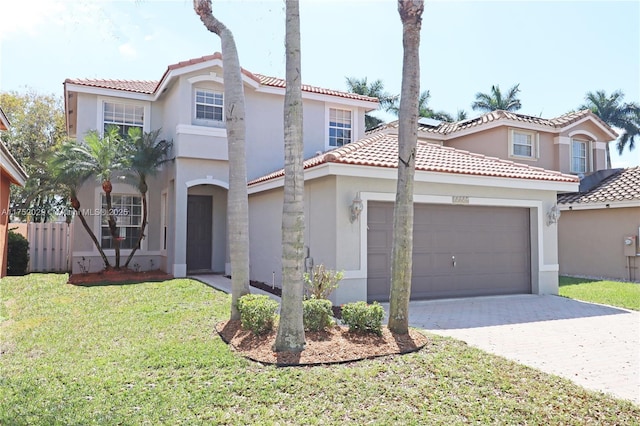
180	227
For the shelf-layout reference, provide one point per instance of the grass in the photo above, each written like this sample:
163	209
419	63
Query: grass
614	293
147	354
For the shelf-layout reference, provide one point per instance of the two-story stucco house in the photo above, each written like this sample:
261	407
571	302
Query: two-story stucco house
187	200
484	225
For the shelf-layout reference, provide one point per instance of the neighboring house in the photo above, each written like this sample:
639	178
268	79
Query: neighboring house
572	143
10	173
600	225
482	223
187	201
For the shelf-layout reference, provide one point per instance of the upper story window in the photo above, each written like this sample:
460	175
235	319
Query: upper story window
523	144
208	105
128	212
579	156
125	116
340	125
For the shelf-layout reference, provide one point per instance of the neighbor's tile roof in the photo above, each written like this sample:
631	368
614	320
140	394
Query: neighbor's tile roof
624	186
381	150
150	87
445	128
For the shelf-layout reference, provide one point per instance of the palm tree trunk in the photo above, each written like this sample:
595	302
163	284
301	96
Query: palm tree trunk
105	260
237	198
402	249
143	226
290	336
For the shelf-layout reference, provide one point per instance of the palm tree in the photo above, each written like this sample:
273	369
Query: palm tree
614	112
290	335
67	176
495	100
374	89
424	110
238	199
402	246
146	154
101	155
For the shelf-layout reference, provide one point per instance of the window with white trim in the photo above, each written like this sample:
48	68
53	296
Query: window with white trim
523	144
128	212
339	127
125	116
579	156
209	105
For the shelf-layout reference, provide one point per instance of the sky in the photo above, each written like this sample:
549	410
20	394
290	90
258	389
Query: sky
556	50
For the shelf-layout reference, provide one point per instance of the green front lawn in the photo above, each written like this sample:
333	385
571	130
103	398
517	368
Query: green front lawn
147	354
614	293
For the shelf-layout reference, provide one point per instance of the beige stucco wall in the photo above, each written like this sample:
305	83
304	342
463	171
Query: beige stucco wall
340	244
591	242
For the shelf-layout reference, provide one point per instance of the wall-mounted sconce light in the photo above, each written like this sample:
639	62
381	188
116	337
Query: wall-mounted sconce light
553	215
355	208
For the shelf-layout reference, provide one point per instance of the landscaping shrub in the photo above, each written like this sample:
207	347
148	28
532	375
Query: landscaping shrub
257	312
17	255
363	317
317	314
322	281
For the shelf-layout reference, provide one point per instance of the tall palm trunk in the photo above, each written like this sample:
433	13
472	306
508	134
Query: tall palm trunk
143	225
402	249
75	203
290	336
237	198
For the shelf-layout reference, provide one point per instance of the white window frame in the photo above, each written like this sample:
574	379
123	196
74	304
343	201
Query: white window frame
195	103
585	158
329	127
120	211
127	102
533	137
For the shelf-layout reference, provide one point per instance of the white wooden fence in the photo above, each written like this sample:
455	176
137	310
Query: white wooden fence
49	247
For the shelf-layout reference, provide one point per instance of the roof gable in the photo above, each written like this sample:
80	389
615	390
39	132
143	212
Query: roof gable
152	87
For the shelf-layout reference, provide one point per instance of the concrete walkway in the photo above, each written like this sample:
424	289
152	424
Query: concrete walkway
595	346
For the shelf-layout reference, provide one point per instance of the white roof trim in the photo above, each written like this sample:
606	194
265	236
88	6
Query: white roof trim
599	205
4	120
9	164
596	122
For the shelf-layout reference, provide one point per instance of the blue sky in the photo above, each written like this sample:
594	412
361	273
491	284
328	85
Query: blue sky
557	51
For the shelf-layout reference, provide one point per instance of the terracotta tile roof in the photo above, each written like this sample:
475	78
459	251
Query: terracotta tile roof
445	128
279	82
137	86
623	186
381	150
150	87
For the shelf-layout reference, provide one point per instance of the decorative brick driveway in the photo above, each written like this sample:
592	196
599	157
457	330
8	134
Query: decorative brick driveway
595	346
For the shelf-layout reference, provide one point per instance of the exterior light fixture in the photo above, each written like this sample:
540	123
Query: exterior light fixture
553	215
355	208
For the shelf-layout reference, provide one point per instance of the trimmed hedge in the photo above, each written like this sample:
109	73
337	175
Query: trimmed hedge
257	312
17	255
362	317
317	314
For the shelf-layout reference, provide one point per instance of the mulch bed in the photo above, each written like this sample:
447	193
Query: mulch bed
335	345
337	310
118	276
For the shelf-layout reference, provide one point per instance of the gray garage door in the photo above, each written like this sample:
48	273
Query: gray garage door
457	251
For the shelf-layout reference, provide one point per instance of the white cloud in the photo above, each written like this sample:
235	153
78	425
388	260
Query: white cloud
28	16
128	51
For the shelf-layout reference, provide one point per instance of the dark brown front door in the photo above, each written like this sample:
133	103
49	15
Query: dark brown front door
199	220
457	251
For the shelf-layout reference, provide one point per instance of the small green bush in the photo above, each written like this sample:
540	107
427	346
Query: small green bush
362	317
322	281
257	312
17	254
317	314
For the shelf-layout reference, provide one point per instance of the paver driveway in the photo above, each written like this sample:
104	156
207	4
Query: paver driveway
596	346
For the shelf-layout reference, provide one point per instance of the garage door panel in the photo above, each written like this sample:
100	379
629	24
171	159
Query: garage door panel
490	244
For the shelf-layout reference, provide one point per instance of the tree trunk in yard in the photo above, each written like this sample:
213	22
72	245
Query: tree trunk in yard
237	199
76	205
143	226
290	336
402	249
113	225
